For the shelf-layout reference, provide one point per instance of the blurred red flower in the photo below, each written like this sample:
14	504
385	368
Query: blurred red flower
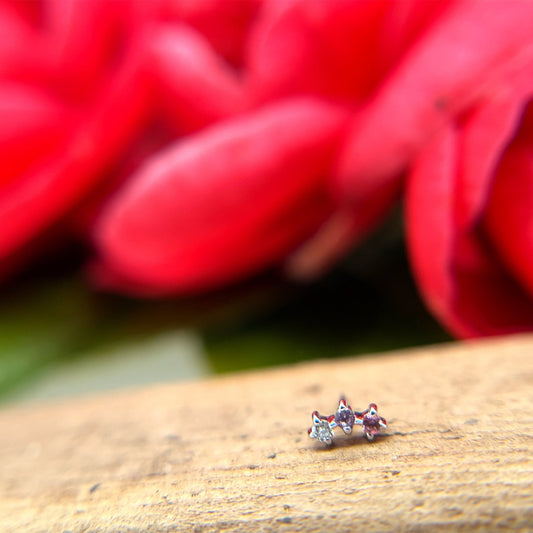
260	188
211	139
67	109
470	214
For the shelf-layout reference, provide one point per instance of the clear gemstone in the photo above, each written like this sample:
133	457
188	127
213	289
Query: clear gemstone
323	432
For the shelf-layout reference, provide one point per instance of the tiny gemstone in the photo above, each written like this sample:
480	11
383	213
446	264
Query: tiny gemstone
323	432
371	424
345	419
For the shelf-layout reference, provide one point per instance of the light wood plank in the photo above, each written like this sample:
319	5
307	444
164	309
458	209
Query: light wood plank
232	453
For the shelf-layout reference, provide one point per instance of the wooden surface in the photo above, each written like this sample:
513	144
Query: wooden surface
233	454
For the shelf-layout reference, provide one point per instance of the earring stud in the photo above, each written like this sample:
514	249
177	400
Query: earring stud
345	418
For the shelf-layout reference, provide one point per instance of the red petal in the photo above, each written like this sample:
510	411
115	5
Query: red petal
29	12
22	54
429	212
226	202
510	213
31	125
196	85
484	137
224	23
461	279
338	48
463	55
89	40
39	197
119	110
80	37
326	48
404	22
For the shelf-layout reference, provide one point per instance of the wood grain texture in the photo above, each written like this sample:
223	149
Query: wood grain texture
232	453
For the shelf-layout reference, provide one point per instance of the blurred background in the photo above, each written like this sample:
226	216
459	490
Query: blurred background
191	187
61	338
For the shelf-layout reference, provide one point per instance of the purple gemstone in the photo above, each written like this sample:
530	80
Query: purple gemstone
345	418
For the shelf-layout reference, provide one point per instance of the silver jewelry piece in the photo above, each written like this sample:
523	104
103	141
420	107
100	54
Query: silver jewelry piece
345	418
